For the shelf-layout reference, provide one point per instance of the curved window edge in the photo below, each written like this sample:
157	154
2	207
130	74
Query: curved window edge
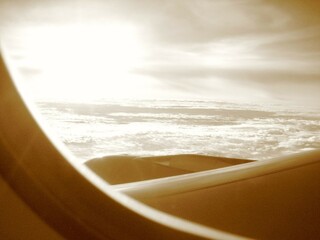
67	195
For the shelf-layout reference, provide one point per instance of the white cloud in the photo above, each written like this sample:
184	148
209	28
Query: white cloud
246	50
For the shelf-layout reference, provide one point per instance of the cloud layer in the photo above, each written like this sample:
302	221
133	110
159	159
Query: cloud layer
163	128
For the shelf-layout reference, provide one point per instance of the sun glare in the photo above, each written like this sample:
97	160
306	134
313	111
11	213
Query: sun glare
85	61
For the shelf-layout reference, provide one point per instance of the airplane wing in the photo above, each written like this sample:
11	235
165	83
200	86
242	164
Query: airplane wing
270	199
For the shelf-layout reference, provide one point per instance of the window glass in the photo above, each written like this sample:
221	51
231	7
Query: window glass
162	78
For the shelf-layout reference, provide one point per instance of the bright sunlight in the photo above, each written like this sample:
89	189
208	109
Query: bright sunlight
84	61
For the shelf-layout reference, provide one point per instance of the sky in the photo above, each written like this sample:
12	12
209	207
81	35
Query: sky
226	50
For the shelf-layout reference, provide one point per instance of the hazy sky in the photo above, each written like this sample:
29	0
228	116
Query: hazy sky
245	50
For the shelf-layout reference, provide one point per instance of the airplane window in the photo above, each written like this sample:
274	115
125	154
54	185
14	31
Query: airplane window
159	98
111	83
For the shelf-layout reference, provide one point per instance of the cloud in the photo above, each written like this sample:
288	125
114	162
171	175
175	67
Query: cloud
250	47
186	21
268	47
245	84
